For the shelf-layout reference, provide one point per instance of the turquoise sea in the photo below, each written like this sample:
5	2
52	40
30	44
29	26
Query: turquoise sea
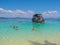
24	32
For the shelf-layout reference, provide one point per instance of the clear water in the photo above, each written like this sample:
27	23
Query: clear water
28	33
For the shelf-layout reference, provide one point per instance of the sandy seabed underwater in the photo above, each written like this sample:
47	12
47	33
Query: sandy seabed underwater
15	32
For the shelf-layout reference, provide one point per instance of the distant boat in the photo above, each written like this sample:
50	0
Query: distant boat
37	18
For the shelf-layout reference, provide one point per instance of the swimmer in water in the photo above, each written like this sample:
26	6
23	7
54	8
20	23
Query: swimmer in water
33	29
16	27
13	27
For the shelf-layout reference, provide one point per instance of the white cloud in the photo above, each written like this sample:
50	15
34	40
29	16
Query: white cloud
51	14
27	14
16	13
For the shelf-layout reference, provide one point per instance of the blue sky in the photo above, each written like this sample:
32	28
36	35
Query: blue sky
38	6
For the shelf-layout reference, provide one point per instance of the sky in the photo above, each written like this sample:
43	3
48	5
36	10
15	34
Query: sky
26	8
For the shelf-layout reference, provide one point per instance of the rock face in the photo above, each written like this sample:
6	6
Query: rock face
37	18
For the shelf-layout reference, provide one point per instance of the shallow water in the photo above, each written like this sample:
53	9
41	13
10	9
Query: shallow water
23	32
